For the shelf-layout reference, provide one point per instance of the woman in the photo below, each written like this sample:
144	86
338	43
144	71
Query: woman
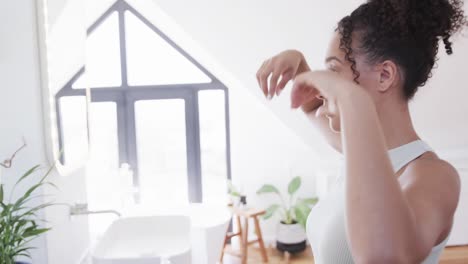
396	198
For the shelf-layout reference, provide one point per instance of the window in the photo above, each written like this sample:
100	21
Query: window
152	107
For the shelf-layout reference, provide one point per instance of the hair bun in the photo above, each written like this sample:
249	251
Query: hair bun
407	32
427	20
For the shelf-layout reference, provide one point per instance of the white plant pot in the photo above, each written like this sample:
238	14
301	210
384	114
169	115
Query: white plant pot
291	238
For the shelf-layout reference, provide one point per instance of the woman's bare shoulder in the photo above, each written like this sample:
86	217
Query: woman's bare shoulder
434	175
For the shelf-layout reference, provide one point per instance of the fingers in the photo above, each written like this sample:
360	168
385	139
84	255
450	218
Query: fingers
258	74
262	76
268	77
302	92
273	83
285	78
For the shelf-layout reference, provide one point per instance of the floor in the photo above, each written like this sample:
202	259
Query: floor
451	255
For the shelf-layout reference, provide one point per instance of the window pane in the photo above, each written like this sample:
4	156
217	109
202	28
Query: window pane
211	105
151	60
104	155
74	129
102	56
102	176
162	153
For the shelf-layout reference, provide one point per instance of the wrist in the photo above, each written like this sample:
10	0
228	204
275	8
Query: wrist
352	98
303	66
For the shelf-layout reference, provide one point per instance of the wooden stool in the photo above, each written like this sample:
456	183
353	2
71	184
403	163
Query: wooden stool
243	233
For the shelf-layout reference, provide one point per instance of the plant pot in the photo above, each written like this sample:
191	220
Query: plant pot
290	237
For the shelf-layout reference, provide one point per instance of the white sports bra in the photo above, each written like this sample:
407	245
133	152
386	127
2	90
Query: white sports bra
326	222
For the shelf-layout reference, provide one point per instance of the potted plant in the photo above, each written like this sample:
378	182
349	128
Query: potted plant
18	221
236	198
290	236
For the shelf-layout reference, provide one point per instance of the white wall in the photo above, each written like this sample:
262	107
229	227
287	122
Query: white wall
64	37
21	111
20	107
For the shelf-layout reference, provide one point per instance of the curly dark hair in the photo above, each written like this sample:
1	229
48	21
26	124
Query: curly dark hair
404	31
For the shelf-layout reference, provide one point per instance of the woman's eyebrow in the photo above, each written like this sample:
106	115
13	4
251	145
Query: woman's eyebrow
328	59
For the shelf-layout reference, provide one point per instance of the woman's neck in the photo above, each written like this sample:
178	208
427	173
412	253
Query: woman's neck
397	124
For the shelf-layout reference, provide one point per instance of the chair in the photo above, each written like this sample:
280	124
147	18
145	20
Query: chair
243	233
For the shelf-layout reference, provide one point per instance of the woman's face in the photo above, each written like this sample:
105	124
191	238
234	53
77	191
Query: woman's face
335	61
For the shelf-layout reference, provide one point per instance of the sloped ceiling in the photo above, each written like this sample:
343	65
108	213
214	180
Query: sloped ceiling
241	34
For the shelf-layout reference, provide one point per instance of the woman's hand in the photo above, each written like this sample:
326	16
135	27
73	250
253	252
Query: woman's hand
286	65
326	85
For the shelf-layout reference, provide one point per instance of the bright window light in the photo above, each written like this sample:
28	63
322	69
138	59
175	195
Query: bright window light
213	144
162	153
152	60
102	56
104	155
74	129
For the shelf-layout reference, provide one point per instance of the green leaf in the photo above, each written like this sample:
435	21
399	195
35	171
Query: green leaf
289	217
294	185
26	195
232	190
53	185
301	217
18	220
268	188
35	232
310	201
270	211
29	172
5	210
302	211
304	208
24	254
23	250
33	210
19	224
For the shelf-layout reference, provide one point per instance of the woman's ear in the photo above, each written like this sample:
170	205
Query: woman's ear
388	75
